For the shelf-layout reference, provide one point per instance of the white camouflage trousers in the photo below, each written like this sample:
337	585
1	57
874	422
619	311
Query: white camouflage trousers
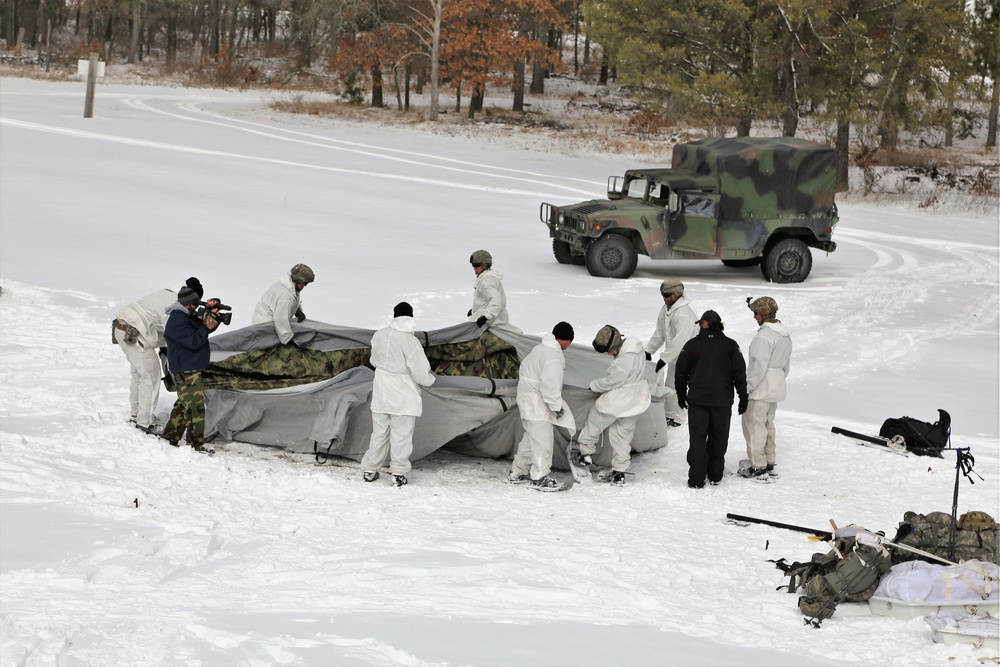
534	451
144	387
758	429
392	437
620	432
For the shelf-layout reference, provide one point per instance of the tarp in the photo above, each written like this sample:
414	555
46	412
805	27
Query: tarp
315	393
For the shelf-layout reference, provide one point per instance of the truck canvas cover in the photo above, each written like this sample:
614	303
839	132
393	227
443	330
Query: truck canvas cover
764	178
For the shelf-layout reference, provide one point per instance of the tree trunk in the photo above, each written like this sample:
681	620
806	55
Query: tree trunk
82	23
399	93
133	47
537	66
408	74
215	27
377	85
435	48
843	147
744	123
603	80
518	86
458	98
991	133
949	128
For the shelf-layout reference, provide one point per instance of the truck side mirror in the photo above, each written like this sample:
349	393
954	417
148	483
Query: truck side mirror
615	184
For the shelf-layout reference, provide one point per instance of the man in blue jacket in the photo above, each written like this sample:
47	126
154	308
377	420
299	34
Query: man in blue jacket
188	354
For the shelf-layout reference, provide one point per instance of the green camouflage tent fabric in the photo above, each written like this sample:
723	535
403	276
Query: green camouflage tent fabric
282	366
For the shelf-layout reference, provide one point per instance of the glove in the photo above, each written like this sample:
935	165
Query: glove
131	335
559	413
649	357
682	401
300	316
742	406
469	314
660	364
481	321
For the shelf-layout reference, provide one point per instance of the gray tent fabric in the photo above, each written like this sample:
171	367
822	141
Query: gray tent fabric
470	415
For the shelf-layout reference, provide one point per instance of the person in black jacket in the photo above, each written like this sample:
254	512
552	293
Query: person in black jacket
188	354
709	367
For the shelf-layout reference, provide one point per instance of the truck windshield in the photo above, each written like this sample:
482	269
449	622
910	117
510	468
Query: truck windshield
636	188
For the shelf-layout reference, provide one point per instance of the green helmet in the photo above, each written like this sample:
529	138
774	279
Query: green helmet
608	339
301	273
765	306
481	257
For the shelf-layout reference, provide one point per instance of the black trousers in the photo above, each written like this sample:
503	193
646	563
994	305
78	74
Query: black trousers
708	428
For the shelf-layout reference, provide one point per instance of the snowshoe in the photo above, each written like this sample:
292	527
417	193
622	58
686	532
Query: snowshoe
547	484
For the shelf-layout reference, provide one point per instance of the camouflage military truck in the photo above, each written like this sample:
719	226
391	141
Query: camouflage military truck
745	201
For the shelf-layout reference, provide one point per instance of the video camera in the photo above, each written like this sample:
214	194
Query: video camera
210	307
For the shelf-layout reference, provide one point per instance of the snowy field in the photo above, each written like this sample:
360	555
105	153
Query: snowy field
116	549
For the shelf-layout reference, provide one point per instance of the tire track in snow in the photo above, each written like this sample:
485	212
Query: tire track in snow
158	145
903	282
366	150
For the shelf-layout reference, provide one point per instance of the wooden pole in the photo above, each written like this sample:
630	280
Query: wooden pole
88	105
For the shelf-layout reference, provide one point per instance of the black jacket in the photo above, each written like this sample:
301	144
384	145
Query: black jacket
709	367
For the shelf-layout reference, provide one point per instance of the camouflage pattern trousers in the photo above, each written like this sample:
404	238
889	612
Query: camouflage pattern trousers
189	411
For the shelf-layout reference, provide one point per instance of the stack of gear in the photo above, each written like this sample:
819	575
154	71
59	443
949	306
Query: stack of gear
976	537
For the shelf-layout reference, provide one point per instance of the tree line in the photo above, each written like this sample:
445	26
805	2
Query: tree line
874	67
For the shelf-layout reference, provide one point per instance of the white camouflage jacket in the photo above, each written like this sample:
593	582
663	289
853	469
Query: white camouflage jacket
278	305
624	391
400	365
770	357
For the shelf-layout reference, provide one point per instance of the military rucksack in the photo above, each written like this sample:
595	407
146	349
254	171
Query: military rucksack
976	537
921	438
850	572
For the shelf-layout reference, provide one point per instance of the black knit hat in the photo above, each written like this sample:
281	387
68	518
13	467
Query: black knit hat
187	296
563	331
402	309
195	284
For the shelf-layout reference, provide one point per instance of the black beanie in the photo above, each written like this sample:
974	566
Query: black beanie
195	284
563	331
402	309
187	296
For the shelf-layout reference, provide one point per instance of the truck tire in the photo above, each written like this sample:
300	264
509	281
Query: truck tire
739	263
787	261
564	255
612	256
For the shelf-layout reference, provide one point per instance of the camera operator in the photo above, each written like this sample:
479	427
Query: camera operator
188	352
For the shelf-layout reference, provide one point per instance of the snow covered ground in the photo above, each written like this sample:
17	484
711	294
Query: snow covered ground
118	550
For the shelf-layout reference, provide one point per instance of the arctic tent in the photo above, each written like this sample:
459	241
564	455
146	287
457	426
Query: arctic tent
313	395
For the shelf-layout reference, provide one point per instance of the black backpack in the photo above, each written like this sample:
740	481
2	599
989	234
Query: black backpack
921	438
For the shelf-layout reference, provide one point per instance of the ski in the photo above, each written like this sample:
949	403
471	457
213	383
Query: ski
896	445
739	519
